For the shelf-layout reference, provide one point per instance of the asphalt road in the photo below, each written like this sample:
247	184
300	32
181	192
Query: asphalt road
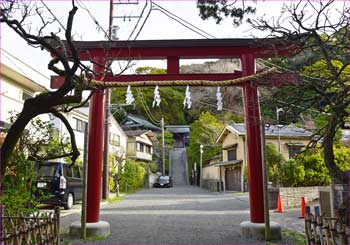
179	215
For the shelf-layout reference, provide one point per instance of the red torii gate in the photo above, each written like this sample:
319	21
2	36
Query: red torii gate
247	50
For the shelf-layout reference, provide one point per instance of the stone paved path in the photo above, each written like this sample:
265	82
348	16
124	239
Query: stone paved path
178	166
179	215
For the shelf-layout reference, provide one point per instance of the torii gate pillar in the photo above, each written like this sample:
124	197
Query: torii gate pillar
95	152
253	134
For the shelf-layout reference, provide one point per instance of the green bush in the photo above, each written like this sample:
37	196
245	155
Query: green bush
132	175
18	186
293	173
316	172
275	161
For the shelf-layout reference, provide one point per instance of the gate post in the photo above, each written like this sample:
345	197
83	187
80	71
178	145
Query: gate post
95	150
253	134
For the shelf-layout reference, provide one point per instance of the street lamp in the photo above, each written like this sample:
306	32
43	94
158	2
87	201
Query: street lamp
200	164
278	110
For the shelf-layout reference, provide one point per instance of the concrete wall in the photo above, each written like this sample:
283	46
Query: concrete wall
291	196
211	172
150	179
212	185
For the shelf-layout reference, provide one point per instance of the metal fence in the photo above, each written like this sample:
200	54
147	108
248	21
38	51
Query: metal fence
37	228
325	230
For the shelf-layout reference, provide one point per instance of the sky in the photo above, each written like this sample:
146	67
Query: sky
157	26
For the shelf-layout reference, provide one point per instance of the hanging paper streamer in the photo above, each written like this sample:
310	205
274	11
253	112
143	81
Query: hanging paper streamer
156	100
187	100
219	99
129	97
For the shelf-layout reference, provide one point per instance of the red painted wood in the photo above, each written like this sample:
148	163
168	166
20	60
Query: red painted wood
253	134
173	65
95	150
185	48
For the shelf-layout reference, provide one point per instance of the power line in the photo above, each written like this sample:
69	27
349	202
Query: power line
167	12
83	6
285	69
138	21
48	9
33	69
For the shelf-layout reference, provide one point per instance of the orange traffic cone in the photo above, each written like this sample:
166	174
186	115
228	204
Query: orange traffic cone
303	203
279	204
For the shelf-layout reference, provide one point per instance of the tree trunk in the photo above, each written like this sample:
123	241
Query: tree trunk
334	170
14	134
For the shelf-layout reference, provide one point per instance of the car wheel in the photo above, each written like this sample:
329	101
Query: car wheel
70	202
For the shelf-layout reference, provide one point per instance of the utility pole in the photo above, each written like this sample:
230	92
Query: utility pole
163	146
278	110
105	177
85	164
266	189
201	165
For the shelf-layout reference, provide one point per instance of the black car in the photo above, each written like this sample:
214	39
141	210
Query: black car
59	183
164	181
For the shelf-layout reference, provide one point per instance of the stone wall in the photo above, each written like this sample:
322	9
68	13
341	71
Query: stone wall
291	196
150	179
212	185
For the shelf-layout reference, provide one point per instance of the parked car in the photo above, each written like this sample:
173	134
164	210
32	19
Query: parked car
164	181
59	183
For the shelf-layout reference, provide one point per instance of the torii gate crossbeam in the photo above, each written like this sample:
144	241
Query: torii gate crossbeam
247	50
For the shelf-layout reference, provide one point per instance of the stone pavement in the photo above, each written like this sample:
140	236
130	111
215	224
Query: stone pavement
179	215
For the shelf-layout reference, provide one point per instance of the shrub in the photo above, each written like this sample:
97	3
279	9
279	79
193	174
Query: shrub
132	175
18	186
293	173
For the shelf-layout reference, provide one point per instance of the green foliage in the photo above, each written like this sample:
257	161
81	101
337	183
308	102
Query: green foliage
292	173
132	175
36	143
342	157
274	162
218	10
316	172
18	185
169	140
152	167
204	131
171	106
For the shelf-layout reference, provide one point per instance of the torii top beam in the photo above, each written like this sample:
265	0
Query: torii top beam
183	48
173	51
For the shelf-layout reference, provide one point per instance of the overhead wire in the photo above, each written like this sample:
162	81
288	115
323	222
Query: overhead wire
53	15
138	21
167	12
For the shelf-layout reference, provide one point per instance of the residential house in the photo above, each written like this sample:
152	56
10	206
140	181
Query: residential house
17	86
117	142
289	141
78	119
134	122
15	89
140	145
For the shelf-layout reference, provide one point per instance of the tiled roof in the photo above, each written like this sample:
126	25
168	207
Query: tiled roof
178	128
132	133
138	122
272	130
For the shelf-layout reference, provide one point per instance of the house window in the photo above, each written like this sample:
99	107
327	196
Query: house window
114	139
232	154
142	147
148	149
26	95
294	150
79	125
